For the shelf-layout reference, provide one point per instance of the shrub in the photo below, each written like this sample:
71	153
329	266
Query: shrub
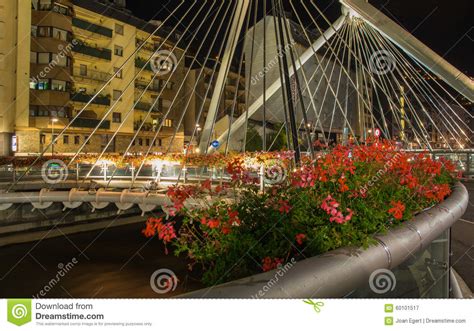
342	197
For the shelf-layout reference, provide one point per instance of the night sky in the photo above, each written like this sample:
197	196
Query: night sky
444	25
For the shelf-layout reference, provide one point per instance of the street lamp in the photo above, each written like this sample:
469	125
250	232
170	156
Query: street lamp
53	120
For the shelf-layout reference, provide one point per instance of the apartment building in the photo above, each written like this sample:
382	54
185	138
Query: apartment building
59	54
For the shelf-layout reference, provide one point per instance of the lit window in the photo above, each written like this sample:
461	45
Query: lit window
34	30
118	50
43	84
61	60
44	58
58	85
168	123
119	73
60	34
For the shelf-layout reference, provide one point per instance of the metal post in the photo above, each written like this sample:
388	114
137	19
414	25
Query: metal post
184	174
104	169
287	81
234	33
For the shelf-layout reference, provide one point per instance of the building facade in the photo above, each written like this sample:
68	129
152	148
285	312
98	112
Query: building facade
60	54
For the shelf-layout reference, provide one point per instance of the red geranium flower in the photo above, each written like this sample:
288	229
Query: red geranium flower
300	238
284	206
397	210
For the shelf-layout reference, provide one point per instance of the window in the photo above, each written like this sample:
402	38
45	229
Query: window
34	31
77	140
44	58
168	86
50	84
117	117
33	57
117	95
147	141
45	4
160	142
119	29
83	70
118	50
61	9
58	85
88	141
140	141
60	34
43	84
168	123
61	60
42	139
119	73
43	31
65	140
156	84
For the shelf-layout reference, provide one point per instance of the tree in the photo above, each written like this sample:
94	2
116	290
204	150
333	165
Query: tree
254	140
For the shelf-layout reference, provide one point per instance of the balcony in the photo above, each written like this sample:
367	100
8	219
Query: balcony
139	63
91	27
147	46
85	98
54	7
142	85
89	123
145	106
101	53
99	76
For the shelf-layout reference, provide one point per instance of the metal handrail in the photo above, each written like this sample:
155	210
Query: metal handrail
339	272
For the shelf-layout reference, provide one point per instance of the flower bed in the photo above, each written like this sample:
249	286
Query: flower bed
341	198
194	160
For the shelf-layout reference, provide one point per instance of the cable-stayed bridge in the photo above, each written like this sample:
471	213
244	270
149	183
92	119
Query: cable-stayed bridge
306	79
